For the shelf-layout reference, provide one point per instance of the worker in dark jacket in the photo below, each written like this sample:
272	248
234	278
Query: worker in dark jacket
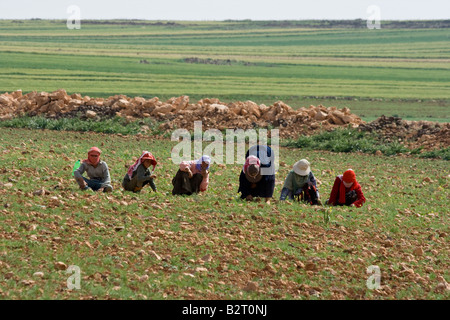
252	183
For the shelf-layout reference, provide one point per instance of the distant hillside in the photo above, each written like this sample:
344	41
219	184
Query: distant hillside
236	24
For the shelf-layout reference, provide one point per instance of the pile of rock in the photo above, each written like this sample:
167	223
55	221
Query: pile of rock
178	112
427	134
246	115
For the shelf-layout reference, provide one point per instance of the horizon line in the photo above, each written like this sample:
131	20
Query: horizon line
229	20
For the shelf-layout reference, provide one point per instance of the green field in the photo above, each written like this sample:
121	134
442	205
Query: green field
211	245
390	71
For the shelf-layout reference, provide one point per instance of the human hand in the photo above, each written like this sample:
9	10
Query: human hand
81	183
153	176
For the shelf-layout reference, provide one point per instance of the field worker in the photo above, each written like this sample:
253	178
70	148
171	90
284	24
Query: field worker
139	174
252	183
267	158
97	171
301	182
346	191
192	177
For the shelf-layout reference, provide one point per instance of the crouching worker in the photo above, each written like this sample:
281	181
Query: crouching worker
252	184
301	183
97	171
346	191
192	177
139	174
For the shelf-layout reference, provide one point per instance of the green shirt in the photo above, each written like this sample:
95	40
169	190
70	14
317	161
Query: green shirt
294	181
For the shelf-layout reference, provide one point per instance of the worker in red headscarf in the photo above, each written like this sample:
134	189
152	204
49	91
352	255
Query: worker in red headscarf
97	171
346	191
139	174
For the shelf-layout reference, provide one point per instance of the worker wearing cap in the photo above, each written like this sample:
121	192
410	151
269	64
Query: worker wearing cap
301	180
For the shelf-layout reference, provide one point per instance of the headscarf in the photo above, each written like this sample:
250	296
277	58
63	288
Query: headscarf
252	165
93	160
206	159
349	176
251	160
145	155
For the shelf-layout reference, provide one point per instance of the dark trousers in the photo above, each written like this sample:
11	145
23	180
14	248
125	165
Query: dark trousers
95	184
182	184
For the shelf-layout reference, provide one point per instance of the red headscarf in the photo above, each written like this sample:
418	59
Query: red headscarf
145	155
349	176
93	160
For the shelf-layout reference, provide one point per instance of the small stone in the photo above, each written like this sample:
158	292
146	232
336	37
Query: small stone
154	255
270	269
60	265
39	192
310	266
38	274
143	278
91	114
250	287
188	274
27	282
442	287
418	251
207	258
